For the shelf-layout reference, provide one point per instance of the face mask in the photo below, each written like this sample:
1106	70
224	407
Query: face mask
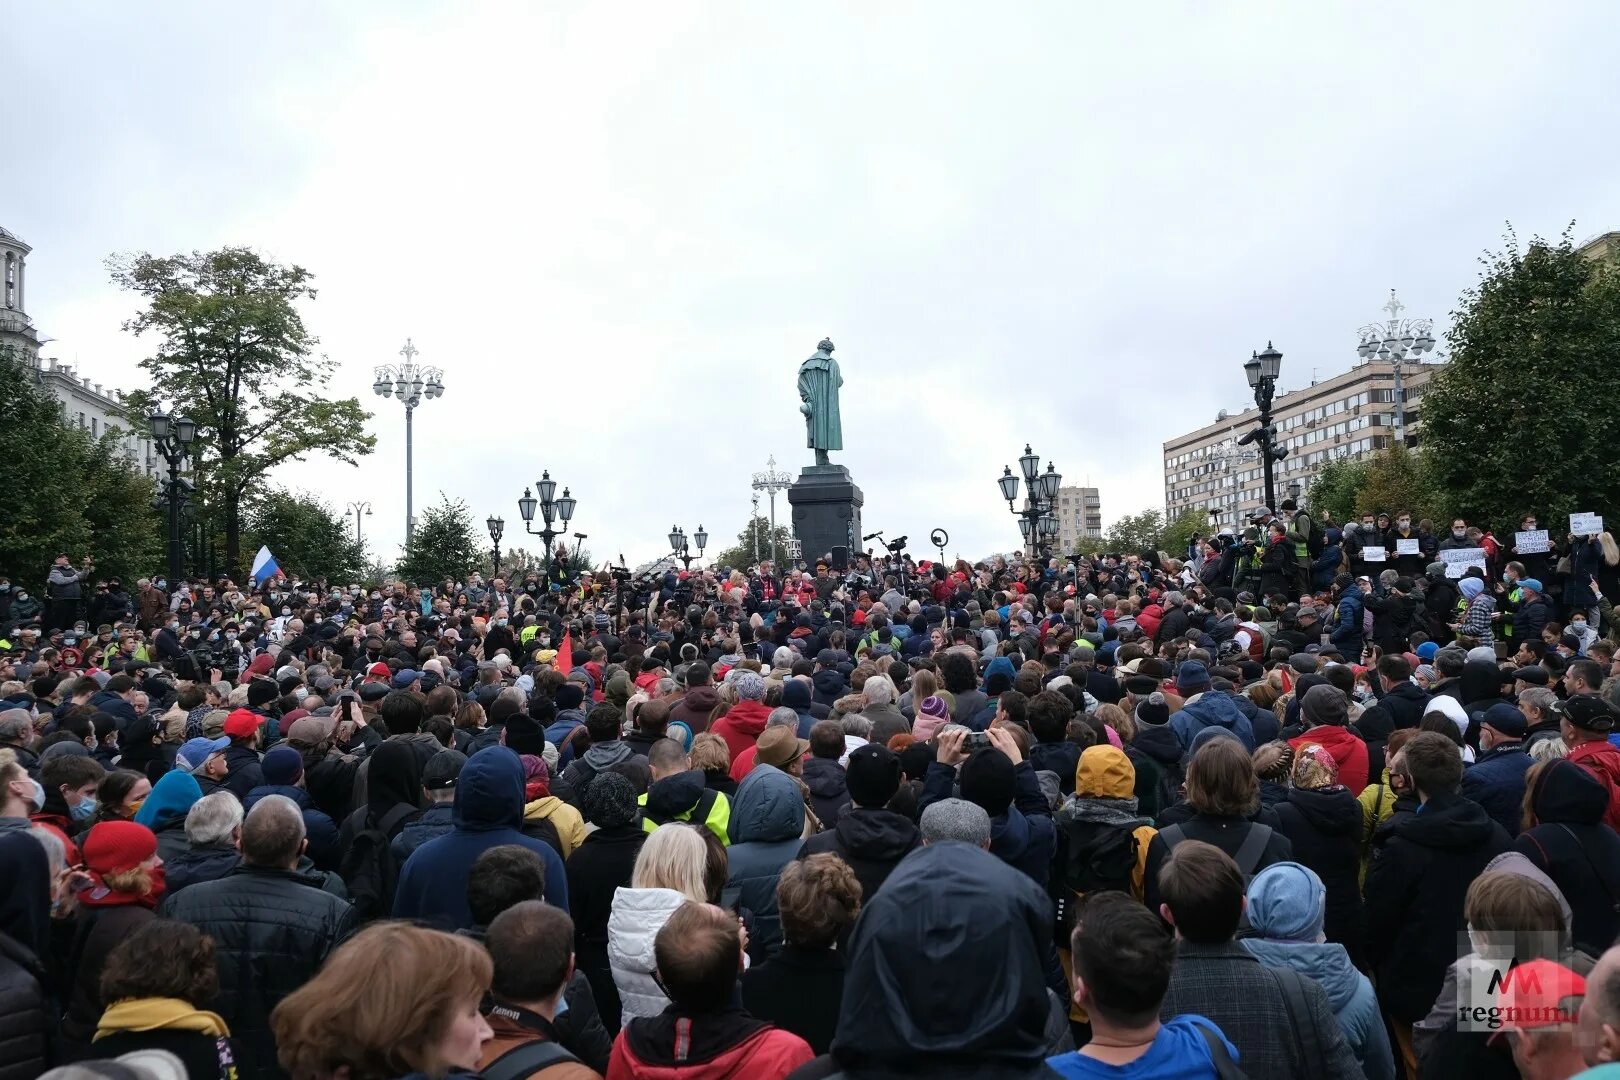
301	693
1459	533
1363	693
22	596
38	797
286	611
1405	524
161	584
133	808
84	811
173	626
230	635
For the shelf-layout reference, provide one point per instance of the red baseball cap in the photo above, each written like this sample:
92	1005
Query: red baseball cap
379	671
242	724
1536	994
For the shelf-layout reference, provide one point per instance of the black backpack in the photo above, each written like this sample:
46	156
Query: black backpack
368	867
1102	861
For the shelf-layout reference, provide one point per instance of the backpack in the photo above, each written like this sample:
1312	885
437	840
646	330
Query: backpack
1248	853
368	867
1101	861
526	1059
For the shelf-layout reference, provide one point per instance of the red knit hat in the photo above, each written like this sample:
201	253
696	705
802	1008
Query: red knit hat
112	847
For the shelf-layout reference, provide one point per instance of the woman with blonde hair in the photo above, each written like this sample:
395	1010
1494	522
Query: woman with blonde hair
395	999
669	872
126	883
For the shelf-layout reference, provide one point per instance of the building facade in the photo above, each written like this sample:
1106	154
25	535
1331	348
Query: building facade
1347	416
1079	516
91	406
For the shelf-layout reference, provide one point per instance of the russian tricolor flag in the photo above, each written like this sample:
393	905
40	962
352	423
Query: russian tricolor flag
264	566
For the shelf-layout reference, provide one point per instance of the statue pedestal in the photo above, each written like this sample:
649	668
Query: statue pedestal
826	511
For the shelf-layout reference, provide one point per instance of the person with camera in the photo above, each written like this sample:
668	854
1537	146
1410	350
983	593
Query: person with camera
65	588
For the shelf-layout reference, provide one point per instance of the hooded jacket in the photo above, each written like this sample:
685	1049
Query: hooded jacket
1405	703
829	684
571	784
683	796
693	710
1324	828
741	726
1422	866
488	811
947	909
829	792
633	923
1103	801
767	821
1602	759
320	830
1346	747
1571	844
727	1045
1211	710
871	840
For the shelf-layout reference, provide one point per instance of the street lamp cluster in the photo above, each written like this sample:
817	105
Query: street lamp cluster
770	481
678	544
1037	519
173	437
552	509
409	382
1262	369
1400	341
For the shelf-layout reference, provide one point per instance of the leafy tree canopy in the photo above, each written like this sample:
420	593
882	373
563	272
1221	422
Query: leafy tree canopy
741	554
307	537
444	545
1335	488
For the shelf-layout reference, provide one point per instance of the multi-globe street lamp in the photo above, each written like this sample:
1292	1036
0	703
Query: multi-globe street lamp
1037	518
771	481
1400	341
409	382
679	545
173	437
552	508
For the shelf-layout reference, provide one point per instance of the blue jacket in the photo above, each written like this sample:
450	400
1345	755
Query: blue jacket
1348	992
767	823
117	706
1347	629
1496	781
488	812
1325	567
1211	709
320	830
432	824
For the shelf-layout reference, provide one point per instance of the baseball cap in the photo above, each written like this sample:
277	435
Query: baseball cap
195	752
1536	994
241	724
443	769
405	677
1588	712
378	671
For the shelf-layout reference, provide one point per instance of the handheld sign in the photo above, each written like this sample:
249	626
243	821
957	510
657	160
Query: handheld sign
1458	560
1533	542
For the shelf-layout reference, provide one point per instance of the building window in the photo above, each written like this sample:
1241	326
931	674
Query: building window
93	426
11	280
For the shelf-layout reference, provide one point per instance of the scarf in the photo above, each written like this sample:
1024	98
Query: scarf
1119	812
158	1014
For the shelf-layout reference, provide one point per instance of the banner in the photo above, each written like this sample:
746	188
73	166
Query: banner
1530	543
1407	547
1458	560
1373	554
1585	524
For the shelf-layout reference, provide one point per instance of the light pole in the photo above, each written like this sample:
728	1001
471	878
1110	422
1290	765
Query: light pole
552	509
1399	341
683	551
1262	369
1037	520
771	481
356	508
496	527
172	438
408	382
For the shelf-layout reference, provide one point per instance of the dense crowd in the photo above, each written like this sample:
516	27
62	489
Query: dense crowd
1273	807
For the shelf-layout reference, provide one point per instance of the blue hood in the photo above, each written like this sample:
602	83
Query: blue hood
1010	836
1001	664
172	797
1287	901
1326	962
768	807
489	791
1212	709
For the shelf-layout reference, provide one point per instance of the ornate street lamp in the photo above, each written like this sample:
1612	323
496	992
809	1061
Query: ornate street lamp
408	382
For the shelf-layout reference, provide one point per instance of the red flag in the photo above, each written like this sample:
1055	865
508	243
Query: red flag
565	653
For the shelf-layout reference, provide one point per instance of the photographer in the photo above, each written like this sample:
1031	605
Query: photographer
65	588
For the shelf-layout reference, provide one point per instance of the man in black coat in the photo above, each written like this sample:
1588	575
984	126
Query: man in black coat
870	838
1403	699
272	931
1421	869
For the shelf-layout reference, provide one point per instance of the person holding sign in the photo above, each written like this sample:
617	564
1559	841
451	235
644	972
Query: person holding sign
1407	548
1458	538
1532	547
1585	556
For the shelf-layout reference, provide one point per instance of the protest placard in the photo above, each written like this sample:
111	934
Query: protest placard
1585	524
1407	547
1458	560
1533	542
1373	554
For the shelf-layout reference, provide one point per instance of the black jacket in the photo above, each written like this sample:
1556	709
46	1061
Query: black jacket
97	932
22	1011
1225	833
1405	704
199	1053
200	862
1421	868
1325	829
798	990
243	771
599	866
1573	846
1394	619
871	841
272	930
829	794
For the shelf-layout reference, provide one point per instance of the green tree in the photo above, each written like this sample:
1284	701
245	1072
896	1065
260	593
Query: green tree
66	491
232	352
1335	488
1525	416
1397	479
444	544
1179	533
307	537
1136	532
741	554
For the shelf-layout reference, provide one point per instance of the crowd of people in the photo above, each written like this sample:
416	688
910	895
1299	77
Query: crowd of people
1272	807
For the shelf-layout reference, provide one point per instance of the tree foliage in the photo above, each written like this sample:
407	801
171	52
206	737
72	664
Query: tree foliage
1526	415
307	537
1398	479
444	544
1335	488
1136	532
741	554
1179	533
66	491
231	351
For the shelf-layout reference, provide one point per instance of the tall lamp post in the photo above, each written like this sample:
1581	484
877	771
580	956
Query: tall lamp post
683	551
496	527
356	508
771	481
173	438
1400	341
552	509
1262	369
1037	519
408	382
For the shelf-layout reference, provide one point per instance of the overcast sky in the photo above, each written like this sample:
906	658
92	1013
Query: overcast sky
620	227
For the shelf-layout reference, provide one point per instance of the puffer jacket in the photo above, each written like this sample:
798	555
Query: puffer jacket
767	821
829	793
1211	710
1348	991
272	930
22	1011
634	921
871	841
320	830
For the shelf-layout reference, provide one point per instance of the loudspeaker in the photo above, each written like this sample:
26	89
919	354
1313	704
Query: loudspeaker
840	558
